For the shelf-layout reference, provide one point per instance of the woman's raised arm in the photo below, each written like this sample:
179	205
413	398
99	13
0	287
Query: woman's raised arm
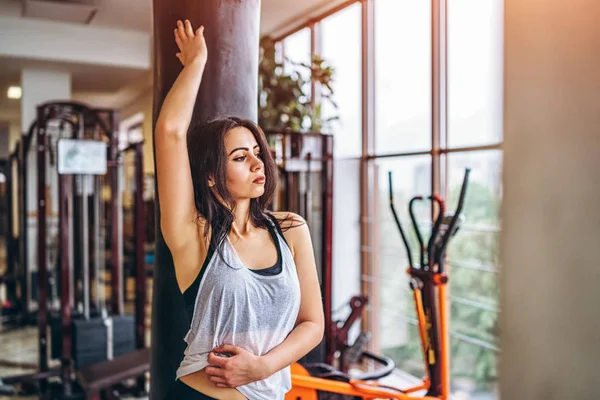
175	189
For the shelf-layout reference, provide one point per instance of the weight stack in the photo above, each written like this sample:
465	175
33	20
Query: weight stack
95	339
54	322
98	339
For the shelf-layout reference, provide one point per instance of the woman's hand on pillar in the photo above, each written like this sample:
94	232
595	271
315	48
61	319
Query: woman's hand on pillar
192	46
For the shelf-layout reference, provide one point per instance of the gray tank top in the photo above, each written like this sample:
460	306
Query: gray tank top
237	306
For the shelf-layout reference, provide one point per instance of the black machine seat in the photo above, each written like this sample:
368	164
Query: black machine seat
97	377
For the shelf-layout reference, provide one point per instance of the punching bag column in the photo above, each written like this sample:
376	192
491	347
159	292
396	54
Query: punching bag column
229	86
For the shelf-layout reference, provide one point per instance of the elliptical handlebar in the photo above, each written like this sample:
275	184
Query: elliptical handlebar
434	251
411	211
436	227
455	217
408	252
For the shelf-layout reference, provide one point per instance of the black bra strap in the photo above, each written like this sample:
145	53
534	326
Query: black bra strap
275	223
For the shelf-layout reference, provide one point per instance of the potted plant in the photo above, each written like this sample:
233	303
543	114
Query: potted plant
284	101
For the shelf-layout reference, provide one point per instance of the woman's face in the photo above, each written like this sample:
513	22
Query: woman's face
245	171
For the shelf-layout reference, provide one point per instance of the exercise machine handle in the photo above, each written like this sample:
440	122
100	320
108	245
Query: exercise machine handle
411	211
322	370
434	231
388	367
455	218
408	252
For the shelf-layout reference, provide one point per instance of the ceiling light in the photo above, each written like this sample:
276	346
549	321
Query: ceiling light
14	92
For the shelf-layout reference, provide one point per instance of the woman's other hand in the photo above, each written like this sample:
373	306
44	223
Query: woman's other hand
192	46
239	369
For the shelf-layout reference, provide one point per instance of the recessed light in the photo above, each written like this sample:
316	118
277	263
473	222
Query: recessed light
14	92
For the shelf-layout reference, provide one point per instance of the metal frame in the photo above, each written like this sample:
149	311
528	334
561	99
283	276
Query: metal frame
325	159
44	113
140	240
368	259
11	239
23	243
327	227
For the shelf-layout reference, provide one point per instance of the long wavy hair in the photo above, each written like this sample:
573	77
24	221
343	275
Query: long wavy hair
207	155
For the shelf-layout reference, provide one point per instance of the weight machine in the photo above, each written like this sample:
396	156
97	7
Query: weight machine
80	146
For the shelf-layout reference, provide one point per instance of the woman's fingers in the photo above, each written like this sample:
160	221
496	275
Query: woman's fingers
200	31
188	29
181	31
215	379
214	372
178	39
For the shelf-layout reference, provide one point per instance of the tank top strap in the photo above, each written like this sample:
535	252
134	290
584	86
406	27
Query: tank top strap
275	224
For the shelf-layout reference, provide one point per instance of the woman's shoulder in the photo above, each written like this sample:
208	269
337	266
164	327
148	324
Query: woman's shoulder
294	228
287	219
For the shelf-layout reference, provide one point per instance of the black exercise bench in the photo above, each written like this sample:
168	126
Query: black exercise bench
95	378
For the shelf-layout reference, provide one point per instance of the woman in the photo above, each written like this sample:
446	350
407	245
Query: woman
248	277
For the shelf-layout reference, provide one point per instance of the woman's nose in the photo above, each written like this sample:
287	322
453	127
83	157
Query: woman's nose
257	164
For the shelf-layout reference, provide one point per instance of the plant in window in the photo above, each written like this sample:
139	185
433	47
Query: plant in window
283	101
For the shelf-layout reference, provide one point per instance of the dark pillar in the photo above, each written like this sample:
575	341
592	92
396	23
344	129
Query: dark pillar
229	86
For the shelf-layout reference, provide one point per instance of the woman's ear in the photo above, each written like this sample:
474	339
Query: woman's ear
211	182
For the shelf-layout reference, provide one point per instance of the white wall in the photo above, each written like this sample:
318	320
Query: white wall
550	252
40	86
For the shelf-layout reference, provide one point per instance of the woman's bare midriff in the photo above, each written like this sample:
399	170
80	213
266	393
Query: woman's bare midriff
199	381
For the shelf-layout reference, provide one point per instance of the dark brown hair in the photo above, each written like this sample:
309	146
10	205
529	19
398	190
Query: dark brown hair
207	155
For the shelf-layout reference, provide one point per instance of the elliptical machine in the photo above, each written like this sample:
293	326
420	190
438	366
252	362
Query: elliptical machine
428	282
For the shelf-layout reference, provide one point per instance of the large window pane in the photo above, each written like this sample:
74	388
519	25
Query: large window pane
477	363
484	193
474	72
341	37
474	286
402	75
296	50
398	333
297	55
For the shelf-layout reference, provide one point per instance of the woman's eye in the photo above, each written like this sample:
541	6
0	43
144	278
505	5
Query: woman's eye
242	158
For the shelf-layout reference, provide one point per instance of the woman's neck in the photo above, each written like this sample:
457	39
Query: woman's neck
241	225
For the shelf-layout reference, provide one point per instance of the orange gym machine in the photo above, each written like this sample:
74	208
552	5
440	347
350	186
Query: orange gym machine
428	281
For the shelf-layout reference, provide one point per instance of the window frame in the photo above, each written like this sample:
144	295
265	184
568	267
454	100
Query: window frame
437	152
